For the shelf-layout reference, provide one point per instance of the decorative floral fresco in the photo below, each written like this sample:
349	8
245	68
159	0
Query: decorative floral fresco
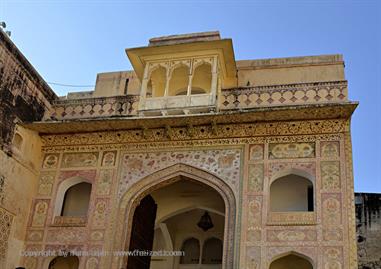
40	212
256	152
330	175
104	182
292	150
330	149
85	159
46	183
222	163
50	161
6	219
291	235
256	173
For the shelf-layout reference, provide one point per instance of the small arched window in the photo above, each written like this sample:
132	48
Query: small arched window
191	250
212	251
76	200
291	193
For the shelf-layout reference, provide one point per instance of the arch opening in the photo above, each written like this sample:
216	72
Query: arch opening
291	193
291	261
202	78
174	213
156	82
179	80
76	200
131	198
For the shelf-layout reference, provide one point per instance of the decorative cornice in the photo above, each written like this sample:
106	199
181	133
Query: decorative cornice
203	132
249	115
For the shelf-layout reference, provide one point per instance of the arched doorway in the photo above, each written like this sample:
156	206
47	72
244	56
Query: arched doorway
291	261
191	217
68	262
162	181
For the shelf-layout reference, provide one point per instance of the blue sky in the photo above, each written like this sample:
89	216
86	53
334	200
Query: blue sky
71	41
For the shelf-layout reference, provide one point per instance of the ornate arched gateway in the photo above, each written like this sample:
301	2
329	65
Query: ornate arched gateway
132	197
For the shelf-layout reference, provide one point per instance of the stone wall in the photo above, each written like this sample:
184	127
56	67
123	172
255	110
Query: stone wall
24	97
368	220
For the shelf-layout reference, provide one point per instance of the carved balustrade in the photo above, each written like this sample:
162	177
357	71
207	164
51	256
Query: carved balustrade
279	95
229	99
98	107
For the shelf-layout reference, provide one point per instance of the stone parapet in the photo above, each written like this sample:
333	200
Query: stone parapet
100	107
280	95
229	99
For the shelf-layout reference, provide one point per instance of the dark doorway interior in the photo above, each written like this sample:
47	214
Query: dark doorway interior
143	226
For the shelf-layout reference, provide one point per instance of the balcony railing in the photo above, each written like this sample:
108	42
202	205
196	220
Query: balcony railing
174	104
278	95
229	99
93	108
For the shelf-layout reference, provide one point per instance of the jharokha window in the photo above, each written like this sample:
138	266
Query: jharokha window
76	200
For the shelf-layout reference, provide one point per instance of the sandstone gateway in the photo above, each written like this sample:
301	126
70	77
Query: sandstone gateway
205	160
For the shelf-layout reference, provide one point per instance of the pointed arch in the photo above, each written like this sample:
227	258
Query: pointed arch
293	171
164	177
202	77
178	80
189	208
157	79
292	253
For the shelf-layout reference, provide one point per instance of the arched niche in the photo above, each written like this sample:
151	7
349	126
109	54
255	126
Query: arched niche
76	200
291	193
157	82
164	177
61	191
202	78
179	80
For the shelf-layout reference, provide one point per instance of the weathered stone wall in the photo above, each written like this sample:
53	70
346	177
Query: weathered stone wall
368	220
24	97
